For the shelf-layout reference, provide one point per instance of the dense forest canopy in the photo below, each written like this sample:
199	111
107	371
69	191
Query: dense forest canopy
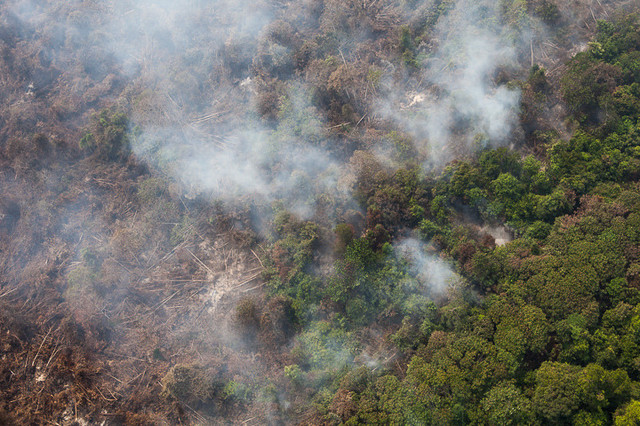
320	212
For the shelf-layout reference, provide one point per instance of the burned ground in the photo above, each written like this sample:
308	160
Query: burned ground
133	292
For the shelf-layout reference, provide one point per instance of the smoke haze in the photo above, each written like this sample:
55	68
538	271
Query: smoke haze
457	101
269	104
433	273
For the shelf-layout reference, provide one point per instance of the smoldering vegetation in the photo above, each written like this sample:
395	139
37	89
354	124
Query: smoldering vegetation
257	162
433	273
458	102
225	212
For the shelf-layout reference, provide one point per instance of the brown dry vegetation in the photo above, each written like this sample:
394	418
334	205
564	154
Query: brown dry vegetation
118	294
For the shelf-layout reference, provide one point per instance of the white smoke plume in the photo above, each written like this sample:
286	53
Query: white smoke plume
456	102
196	120
177	51
226	160
435	275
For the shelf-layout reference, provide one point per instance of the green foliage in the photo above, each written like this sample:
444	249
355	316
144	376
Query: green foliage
505	405
107	138
404	147
630	416
324	350
597	80
465	368
493	162
287	267
344	237
514	13
293	373
538	230
543	329
406	47
247	313
587	85
409	334
298	119
366	283
428	229
617	37
547	11
556	397
440	208
507	189
236	391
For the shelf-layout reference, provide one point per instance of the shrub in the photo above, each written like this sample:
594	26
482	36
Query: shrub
107	136
247	313
191	384
344	236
